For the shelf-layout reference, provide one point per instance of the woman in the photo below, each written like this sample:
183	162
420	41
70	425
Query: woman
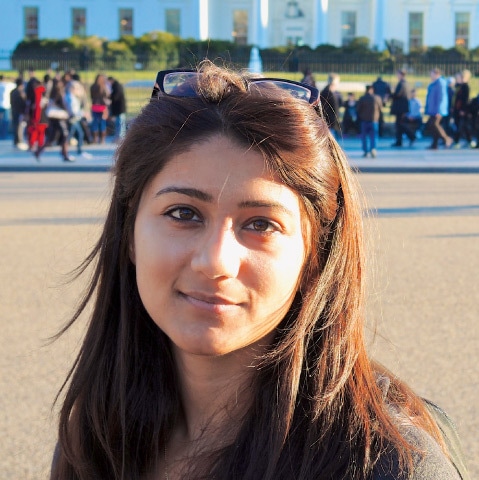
308	77
100	100
400	105
75	102
226	339
460	110
350	117
332	101
58	120
37	119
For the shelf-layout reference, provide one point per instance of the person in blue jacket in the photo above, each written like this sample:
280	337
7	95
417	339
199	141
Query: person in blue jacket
437	107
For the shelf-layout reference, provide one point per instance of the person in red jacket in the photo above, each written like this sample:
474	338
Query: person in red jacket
38	122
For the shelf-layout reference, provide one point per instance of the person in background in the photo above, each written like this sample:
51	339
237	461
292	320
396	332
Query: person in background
474	116
308	78
460	111
400	105
30	86
74	102
412	121
369	110
383	90
447	121
437	107
37	119
350	116
118	107
48	80
6	87
58	119
85	122
331	102
226	335
100	101
18	102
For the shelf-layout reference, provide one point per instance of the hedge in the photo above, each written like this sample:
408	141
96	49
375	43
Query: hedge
160	50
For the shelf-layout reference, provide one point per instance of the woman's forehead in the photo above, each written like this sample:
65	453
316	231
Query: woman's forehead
221	168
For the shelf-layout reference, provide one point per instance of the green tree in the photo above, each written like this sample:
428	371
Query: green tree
118	56
358	45
157	50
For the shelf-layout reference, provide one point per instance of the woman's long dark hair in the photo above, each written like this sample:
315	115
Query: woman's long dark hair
317	410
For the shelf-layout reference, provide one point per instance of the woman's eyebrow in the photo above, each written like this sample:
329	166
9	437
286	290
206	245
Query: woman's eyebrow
265	204
206	197
190	192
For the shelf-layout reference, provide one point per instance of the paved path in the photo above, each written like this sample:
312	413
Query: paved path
424	292
424	298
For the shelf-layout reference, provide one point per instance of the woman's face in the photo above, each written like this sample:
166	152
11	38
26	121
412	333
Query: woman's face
218	249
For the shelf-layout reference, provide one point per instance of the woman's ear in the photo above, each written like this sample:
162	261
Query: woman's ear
131	251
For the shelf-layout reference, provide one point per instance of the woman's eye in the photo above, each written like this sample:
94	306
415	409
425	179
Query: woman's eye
183	213
261	225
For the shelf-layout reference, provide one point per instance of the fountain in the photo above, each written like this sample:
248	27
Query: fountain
255	64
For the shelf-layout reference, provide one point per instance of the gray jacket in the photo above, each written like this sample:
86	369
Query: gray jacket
433	465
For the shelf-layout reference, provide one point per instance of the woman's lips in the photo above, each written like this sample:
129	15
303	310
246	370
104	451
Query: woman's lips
212	303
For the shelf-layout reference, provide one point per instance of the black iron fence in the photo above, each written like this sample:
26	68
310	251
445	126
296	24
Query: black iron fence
272	61
355	64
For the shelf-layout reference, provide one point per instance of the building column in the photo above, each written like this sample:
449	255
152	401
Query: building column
320	22
260	23
379	20
473	28
204	16
193	19
198	18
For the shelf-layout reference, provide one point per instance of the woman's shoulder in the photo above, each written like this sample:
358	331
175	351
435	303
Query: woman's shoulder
430	461
432	464
450	436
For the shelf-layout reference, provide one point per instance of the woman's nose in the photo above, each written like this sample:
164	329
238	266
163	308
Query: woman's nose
218	254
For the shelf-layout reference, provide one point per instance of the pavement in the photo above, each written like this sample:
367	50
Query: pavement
422	304
15	160
416	159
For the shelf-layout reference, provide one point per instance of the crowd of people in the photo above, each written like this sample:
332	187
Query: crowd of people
452	112
61	110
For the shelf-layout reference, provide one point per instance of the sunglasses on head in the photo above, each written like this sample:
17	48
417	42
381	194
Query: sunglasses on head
184	83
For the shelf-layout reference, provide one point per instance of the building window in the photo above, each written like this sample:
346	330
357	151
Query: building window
30	17
126	21
416	29
293	10
79	22
348	27
294	41
172	21
240	27
462	29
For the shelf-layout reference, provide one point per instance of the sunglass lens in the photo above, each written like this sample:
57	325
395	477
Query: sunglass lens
181	84
296	91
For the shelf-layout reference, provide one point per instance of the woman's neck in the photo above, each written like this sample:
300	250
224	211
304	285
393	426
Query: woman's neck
214	390
215	395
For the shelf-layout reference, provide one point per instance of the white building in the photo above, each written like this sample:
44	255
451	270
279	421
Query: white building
266	23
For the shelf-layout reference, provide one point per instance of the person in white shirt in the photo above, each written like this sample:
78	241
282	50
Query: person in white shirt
74	95
412	121
6	86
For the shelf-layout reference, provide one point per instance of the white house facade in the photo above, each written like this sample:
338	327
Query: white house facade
265	23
